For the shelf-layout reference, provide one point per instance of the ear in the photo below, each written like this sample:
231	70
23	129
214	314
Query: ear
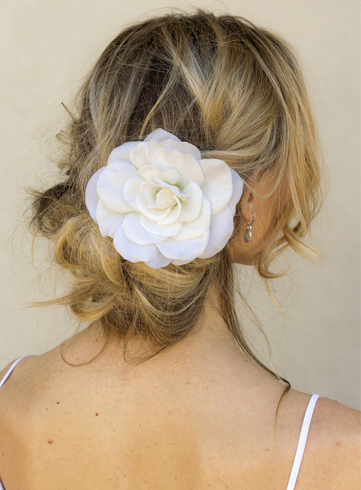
248	197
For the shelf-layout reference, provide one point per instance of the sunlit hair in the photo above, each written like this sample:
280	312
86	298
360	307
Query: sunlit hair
236	92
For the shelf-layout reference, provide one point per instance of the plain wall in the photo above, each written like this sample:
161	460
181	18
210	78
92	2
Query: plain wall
46	49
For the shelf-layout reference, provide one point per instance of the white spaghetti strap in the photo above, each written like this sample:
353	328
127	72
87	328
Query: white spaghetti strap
302	442
10	370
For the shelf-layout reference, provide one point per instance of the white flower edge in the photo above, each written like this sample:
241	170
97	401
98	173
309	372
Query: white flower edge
170	250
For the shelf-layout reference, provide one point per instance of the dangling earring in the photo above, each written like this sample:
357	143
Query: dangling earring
248	235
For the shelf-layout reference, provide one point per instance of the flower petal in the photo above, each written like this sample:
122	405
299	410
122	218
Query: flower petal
221	230
149	172
135	231
131	190
132	251
191	207
181	262
149	192
165	199
217	187
237	186
107	220
154	214
173	215
111	183
197	227
143	155
161	261
160	230
170	141
91	195
184	250
122	152
185	163
161	135
183	147
170	176
140	154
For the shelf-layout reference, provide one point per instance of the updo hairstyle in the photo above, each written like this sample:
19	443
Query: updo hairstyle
236	92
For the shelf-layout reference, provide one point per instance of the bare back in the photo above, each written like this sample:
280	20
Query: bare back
167	427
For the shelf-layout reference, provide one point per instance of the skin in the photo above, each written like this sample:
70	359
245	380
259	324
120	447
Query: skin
267	209
213	329
212	335
202	401
211	338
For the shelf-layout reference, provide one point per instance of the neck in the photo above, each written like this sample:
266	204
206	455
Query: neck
209	340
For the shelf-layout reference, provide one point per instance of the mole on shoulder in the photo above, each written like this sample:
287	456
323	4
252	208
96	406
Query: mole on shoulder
50	441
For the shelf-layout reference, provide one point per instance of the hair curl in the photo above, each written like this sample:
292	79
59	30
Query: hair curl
236	92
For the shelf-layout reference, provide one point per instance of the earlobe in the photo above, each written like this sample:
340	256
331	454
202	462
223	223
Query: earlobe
248	197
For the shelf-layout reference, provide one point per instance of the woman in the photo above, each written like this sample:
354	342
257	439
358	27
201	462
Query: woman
191	146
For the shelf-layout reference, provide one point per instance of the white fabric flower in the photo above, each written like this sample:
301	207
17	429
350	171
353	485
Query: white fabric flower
161	203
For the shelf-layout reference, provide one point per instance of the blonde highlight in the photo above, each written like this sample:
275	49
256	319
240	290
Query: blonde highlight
236	92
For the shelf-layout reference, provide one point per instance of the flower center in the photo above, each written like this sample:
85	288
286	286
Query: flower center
161	195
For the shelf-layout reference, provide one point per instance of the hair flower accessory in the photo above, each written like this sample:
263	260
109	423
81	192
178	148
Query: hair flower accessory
162	203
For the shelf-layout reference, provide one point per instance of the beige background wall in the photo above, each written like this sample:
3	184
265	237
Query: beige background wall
47	47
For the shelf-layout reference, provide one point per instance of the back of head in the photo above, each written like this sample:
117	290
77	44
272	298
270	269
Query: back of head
230	88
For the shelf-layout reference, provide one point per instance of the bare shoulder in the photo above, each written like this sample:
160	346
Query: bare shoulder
340	416
13	391
21	363
332	456
339	424
4	370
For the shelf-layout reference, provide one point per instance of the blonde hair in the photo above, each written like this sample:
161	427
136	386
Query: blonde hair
236	92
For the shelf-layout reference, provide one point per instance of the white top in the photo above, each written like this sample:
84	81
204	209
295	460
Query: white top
301	443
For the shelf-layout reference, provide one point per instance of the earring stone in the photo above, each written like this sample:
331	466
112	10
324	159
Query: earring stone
249	234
